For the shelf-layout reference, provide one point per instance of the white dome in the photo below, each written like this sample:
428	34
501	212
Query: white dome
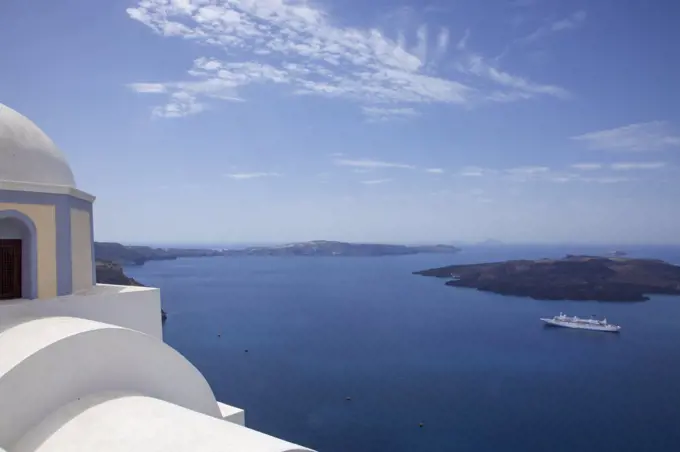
28	155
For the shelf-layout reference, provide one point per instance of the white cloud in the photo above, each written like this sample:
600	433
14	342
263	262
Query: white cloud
376	181
647	136
378	114
624	166
244	176
462	44
574	21
526	170
606	179
434	171
587	166
476	171
148	87
297	44
367	163
180	104
517	87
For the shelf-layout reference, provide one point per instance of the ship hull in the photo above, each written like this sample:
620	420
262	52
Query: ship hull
581	326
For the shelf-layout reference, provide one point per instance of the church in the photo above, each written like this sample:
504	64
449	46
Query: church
83	366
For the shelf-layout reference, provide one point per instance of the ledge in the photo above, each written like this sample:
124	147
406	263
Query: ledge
232	414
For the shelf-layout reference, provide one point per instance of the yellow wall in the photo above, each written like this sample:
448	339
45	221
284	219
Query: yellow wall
81	250
44	218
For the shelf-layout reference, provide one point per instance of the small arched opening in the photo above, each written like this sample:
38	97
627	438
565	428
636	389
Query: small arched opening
18	256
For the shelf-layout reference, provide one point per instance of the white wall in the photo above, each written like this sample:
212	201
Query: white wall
49	362
137	308
132	423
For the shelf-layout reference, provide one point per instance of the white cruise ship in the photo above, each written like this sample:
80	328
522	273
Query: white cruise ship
583	324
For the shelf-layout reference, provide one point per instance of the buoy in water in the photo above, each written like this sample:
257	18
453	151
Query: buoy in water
348	398
420	425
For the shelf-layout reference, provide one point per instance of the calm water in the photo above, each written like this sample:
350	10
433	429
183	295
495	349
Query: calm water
477	369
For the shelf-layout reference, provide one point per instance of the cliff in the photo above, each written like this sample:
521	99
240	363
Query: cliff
138	255
570	278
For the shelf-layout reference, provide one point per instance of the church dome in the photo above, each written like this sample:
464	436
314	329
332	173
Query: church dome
28	155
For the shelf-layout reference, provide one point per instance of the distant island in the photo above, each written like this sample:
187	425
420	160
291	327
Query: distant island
330	248
570	278
138	255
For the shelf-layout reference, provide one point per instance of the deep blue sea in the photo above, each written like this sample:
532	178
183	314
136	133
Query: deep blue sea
478	370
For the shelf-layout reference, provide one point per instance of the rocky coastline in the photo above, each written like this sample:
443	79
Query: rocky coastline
570	278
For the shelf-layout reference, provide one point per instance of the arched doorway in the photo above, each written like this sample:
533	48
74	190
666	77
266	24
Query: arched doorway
18	254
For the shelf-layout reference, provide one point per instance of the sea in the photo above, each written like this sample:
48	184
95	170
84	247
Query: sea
357	354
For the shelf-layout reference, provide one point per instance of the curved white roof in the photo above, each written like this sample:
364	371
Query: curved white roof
28	155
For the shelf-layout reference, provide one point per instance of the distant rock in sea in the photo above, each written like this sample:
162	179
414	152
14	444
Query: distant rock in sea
570	278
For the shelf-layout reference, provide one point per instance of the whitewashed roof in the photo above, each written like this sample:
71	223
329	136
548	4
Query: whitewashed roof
28	155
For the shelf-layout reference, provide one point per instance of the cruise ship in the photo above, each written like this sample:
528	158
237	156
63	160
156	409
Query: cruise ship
583	324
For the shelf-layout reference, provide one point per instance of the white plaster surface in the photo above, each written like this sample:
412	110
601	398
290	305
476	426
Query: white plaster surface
27	154
137	308
134	423
232	414
46	363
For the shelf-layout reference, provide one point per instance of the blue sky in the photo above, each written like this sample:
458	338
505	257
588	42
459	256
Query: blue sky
221	121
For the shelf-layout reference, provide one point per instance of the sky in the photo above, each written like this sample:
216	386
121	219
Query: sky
240	121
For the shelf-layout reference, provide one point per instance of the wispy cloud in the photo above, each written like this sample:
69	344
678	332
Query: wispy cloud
298	45
574	20
244	176
376	181
179	105
515	87
587	166
379	114
462	43
647	136
148	87
373	164
434	170
476	171
626	166
528	170
606	179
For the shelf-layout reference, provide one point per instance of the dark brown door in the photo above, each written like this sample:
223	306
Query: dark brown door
10	269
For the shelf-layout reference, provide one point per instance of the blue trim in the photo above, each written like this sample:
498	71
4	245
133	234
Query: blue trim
94	260
29	283
31	197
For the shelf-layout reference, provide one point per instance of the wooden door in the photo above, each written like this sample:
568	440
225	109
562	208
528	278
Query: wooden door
10	269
